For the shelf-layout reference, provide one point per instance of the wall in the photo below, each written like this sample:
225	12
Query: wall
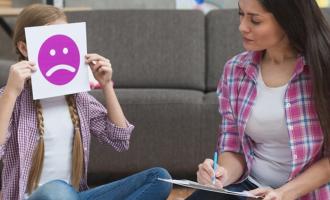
140	4
125	4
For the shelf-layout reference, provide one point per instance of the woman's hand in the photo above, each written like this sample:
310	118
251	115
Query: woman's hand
205	173
101	68
18	74
271	194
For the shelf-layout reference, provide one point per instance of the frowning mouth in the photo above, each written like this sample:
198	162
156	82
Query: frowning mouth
54	69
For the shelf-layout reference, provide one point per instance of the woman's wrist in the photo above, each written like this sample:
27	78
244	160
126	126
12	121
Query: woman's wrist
288	192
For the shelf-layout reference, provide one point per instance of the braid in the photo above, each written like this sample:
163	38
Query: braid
38	154
77	150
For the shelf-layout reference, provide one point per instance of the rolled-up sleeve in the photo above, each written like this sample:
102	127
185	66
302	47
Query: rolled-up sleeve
229	136
229	139
106	131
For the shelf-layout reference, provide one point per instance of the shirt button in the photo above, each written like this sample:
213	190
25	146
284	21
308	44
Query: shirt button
290	127
288	105
85	148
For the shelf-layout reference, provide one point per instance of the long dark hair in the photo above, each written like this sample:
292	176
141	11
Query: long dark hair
309	34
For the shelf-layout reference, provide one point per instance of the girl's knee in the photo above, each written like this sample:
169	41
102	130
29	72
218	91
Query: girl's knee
55	190
164	174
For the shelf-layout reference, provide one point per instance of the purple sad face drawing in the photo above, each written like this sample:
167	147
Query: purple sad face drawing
59	59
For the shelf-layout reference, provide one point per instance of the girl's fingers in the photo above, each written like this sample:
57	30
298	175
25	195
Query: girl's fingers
26	75
33	68
24	66
25	71
95	57
31	63
96	66
100	64
103	69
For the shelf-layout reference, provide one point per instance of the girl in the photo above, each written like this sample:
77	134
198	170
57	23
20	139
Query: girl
45	143
274	101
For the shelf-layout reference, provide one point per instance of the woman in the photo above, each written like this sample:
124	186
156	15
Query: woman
274	101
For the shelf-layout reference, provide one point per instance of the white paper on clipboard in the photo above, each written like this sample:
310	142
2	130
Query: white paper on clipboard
195	185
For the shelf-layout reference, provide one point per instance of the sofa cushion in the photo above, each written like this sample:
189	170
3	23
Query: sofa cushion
210	124
167	133
149	48
7	48
223	41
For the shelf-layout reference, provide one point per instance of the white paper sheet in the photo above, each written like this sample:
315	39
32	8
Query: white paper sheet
59	53
195	185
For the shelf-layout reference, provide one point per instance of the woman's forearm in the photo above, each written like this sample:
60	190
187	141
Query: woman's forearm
314	177
115	113
235	165
7	103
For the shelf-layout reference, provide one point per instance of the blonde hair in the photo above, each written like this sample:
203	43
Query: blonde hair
38	15
34	15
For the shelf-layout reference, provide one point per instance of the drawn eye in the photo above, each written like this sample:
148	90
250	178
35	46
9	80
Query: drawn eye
52	52
65	50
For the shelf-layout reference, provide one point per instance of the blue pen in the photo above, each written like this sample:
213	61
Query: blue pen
215	165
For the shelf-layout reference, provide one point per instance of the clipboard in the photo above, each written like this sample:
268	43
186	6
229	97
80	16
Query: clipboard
195	185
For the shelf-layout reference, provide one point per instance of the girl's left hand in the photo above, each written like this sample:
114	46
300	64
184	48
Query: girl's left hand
101	68
270	194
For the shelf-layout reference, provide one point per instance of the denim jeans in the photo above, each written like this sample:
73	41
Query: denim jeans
143	185
205	195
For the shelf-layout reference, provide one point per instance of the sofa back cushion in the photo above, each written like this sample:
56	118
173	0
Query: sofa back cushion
4	71
149	48
223	41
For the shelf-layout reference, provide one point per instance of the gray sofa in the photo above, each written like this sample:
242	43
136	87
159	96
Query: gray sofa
166	67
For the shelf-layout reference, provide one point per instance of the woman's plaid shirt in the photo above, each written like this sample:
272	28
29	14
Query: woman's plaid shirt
22	139
237	92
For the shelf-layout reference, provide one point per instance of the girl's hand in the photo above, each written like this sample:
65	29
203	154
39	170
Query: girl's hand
101	68
18	74
205	173
271	194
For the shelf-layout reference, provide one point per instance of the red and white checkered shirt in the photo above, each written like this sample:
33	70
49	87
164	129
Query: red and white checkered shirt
237	93
22	139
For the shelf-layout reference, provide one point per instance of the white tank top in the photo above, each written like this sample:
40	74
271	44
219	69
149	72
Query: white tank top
58	140
266	126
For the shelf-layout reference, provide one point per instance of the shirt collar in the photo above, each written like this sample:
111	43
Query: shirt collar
252	63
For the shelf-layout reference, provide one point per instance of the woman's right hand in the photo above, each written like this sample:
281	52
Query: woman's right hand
205	173
18	74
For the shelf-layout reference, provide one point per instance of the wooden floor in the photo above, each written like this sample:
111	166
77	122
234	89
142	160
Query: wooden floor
180	193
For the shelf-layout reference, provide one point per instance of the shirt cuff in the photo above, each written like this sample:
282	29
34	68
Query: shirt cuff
120	133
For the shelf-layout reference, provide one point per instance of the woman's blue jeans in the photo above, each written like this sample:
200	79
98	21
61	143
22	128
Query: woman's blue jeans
143	185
